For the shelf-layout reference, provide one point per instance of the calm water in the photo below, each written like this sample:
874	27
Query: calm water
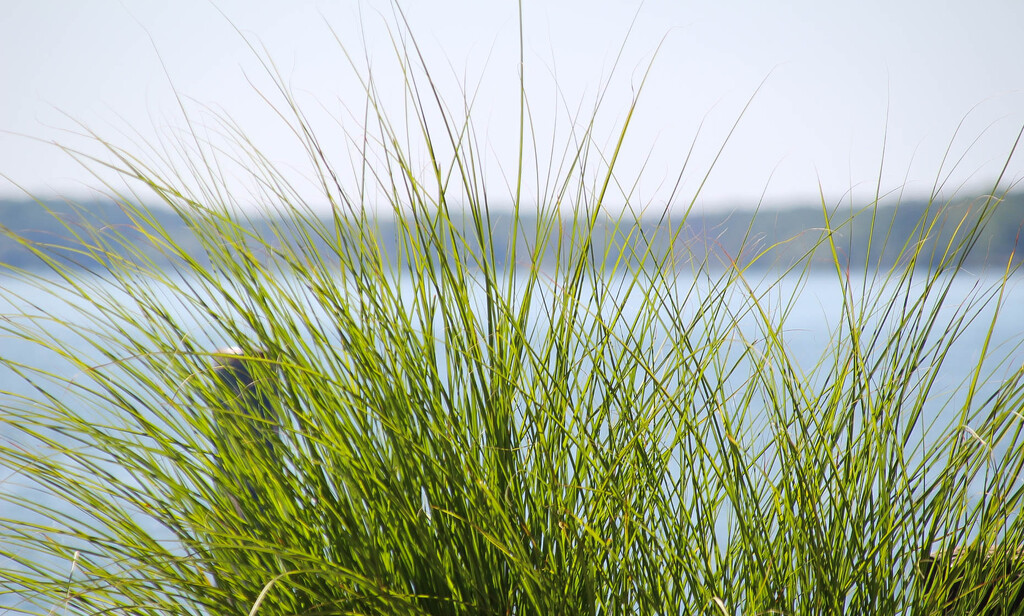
813	317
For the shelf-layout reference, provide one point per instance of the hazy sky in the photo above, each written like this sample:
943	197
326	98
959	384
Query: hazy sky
839	81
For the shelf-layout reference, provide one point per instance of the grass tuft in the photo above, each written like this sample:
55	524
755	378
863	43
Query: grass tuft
404	407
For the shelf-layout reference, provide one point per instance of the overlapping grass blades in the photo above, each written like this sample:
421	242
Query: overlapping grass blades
453	420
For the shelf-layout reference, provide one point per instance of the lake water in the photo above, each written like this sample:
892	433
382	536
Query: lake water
814	316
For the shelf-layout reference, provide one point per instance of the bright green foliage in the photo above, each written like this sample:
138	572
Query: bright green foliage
570	432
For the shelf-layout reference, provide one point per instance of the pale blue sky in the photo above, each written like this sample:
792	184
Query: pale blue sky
839	78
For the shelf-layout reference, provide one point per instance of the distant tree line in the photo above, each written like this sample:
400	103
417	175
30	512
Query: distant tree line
865	237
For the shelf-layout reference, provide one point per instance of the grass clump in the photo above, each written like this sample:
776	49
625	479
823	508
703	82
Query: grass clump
427	416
